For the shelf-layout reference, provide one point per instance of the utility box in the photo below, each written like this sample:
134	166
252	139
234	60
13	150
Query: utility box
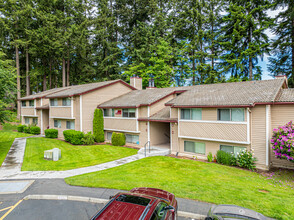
48	154
54	154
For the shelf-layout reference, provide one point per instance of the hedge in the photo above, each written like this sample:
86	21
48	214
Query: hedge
88	139
51	133
20	128
26	129
73	137
118	139
35	130
98	125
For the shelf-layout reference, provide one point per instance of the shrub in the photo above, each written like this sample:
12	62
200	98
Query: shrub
20	128
9	127
225	158
26	129
118	139
246	160
88	139
209	157
73	137
98	126
51	133
35	130
283	142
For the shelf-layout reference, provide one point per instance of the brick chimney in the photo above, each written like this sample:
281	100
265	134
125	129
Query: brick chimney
151	84
136	82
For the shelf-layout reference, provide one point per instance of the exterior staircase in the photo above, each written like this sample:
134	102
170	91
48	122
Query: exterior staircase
154	151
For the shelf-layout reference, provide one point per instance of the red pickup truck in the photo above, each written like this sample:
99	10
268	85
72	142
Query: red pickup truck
138	204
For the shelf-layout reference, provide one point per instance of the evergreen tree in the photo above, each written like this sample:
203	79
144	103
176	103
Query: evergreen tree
283	45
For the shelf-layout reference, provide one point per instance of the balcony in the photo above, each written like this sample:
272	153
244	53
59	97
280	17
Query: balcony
60	112
121	124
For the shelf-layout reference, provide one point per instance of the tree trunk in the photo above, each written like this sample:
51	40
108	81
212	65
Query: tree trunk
193	68
63	73
50	75
250	58
28	89
44	80
17	80
68	65
212	46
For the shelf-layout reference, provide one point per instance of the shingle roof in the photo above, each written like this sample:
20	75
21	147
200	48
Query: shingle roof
286	95
43	107
140	97
81	89
162	115
43	94
230	94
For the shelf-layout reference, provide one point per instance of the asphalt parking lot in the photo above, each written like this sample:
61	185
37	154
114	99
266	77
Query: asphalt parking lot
53	199
52	209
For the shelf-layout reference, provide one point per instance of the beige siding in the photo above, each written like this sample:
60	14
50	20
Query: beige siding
219	131
92	99
28	111
143	138
159	105
45	101
159	133
76	111
63	127
281	115
120	124
209	114
210	146
60	112
174	138
174	113
259	133
143	112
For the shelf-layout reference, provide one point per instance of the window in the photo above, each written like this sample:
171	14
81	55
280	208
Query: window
53	102
57	124
132	138
194	147
32	103
70	125
23	103
35	121
159	212
191	113
27	121
234	114
232	149
66	102
112	112
109	135
129	112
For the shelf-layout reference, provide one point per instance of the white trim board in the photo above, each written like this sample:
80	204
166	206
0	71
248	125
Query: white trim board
106	129
31	116
63	118
106	117
216	122
216	140
60	106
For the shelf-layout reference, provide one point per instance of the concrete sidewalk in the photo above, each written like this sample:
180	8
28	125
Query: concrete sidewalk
11	167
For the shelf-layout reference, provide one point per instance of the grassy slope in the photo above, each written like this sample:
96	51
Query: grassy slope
71	156
207	182
6	140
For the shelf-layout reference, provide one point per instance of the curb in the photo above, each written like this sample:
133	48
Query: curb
100	201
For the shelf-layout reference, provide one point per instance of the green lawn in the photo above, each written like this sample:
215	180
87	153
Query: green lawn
201	181
71	156
6	140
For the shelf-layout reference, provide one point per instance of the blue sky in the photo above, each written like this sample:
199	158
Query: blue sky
263	64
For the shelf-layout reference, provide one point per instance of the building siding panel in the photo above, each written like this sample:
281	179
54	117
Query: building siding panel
120	124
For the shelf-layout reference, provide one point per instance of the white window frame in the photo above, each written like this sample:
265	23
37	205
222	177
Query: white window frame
54	101
58	123
234	152
36	120
66	102
128	112
23	103
27	123
31	101
107	135
230	110
71	125
191	110
132	137
195	147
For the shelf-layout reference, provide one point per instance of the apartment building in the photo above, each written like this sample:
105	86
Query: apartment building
193	121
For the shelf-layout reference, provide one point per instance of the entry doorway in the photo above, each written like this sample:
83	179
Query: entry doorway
160	134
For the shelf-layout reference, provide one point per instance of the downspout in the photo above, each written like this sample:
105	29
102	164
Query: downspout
42	130
81	113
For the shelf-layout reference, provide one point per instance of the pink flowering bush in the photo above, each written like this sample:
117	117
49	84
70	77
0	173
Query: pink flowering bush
283	142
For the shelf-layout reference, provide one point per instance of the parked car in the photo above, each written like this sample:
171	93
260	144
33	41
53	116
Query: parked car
138	204
223	212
